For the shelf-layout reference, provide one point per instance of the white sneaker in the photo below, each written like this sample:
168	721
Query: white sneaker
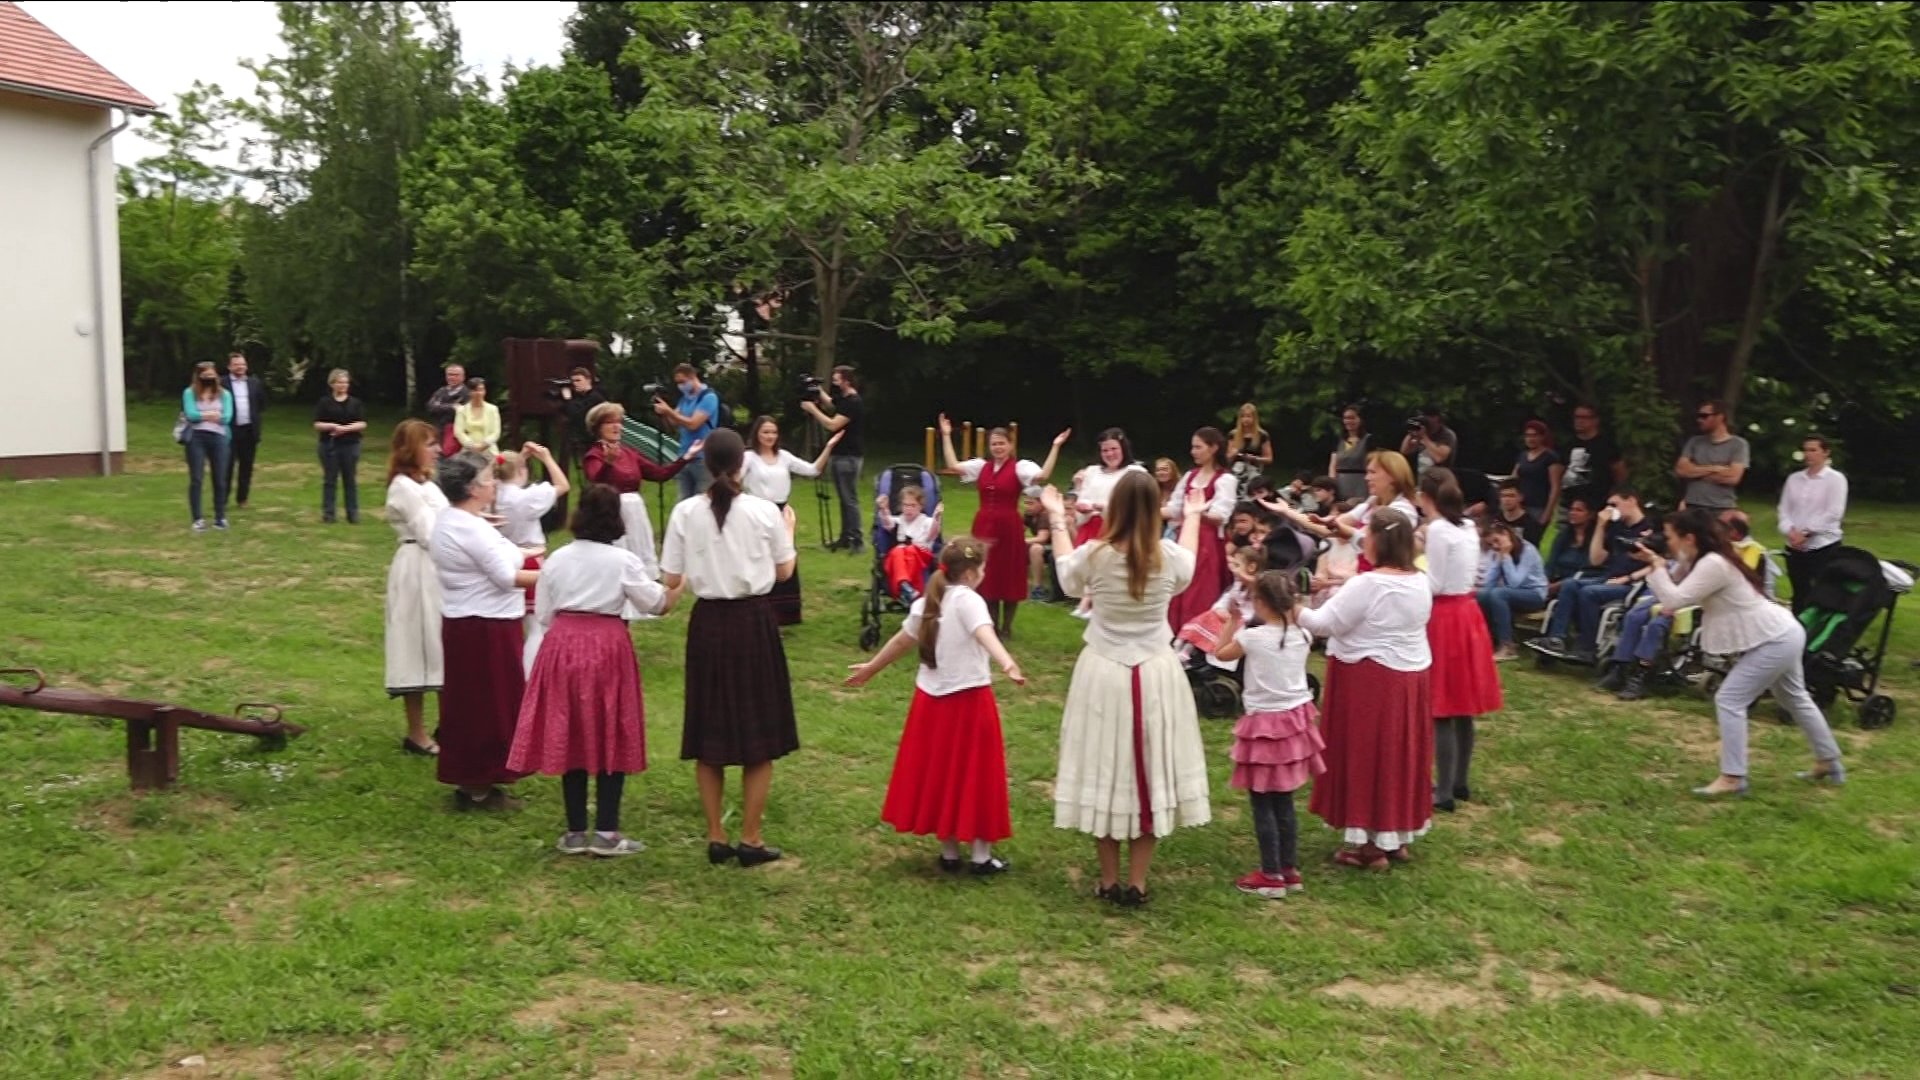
573	843
200	525
608	847
1083	613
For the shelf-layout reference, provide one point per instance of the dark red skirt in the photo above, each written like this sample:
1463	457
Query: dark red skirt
785	599
1005	577
739	707
583	708
1378	728
532	563
479	700
1089	532
1464	681
1210	578
950	774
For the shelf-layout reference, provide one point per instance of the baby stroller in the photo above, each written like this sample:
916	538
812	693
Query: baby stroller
1852	590
879	601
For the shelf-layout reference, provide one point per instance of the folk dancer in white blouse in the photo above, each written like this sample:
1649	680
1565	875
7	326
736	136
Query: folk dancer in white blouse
1812	506
768	473
1389	486
1737	617
1093	486
1376	712
480	637
1132	766
1218	490
414	505
583	713
1464	683
520	505
1001	480
728	548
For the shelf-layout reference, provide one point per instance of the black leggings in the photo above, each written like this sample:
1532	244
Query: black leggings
573	786
1452	756
1277	829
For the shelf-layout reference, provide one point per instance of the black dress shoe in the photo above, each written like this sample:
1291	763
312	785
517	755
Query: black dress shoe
988	868
1444	807
718	853
750	855
1463	793
1131	897
952	866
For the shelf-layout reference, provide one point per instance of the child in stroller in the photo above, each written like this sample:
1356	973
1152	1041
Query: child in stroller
890	489
913	533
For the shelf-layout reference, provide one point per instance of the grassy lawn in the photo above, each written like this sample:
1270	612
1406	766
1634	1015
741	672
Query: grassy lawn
321	912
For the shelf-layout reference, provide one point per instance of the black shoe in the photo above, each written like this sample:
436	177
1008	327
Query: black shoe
951	866
1445	807
1636	688
857	548
988	868
1552	645
1583	656
1110	893
1463	793
1613	680
718	853
837	545
750	855
908	596
1131	897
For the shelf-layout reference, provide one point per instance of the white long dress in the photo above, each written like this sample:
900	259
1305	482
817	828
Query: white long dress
639	540
414	663
1098	787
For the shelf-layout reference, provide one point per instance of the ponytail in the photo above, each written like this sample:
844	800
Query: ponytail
962	553
725	454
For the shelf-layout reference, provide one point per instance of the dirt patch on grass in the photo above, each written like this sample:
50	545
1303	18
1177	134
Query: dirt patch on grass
272	1062
1509	867
1432	996
125	579
1257	978
1545	838
659	1031
1064	993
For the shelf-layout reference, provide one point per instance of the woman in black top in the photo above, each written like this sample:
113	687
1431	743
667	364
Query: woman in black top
1539	470
1249	450
340	418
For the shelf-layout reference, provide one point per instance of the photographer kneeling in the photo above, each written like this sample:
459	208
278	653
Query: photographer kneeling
849	419
1618	528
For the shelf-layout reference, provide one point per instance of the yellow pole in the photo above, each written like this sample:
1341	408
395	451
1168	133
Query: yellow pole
1013	436
929	449
966	439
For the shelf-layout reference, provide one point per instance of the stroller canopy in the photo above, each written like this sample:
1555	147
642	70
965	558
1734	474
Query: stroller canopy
1843	601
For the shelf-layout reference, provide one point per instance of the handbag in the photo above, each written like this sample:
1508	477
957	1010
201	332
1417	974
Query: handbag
181	429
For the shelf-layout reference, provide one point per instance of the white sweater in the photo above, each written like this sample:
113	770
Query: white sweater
1734	617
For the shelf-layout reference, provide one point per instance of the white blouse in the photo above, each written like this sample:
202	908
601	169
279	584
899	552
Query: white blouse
1365	511
1734	617
773	480
963	661
1453	557
1226	491
918	532
730	563
1377	616
1095	486
971	469
523	507
1276	670
414	508
1123	629
598	579
477	566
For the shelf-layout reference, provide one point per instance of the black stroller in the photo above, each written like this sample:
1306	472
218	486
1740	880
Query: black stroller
1216	690
1852	590
879	601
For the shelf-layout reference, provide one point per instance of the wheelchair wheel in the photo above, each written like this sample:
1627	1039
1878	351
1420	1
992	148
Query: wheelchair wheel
1876	712
1313	685
1217	698
869	636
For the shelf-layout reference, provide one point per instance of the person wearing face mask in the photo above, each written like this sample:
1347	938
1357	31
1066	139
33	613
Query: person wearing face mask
695	418
206	410
848	422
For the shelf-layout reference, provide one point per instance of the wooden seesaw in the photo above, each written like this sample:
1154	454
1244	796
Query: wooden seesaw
153	728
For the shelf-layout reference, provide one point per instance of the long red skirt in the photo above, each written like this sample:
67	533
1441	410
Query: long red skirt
1378	728
532	563
950	774
1464	681
1089	532
1211	576
479	701
1005	576
907	564
583	708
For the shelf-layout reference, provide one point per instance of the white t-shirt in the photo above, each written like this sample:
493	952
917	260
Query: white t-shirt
1275	678
773	480
1453	557
599	579
476	566
1236	595
523	507
963	661
918	532
971	469
730	563
1377	616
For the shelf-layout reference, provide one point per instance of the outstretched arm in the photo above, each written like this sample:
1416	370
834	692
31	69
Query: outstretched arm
1053	456
990	641
820	463
896	647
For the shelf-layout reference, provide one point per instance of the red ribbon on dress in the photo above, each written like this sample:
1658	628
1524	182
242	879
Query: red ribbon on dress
1140	758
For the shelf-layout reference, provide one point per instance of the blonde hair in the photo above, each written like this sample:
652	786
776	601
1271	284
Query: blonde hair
598	415
962	553
1235	442
338	373
1133	528
408	439
1394	464
507	465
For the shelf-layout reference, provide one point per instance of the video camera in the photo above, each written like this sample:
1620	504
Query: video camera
656	389
1656	542
808	386
557	388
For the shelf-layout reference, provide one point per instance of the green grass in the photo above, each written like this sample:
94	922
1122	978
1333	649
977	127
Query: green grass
320	912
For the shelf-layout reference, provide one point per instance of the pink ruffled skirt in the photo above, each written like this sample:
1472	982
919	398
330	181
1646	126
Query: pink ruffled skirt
1277	751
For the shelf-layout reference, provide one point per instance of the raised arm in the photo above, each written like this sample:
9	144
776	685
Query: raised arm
556	475
820	463
1193	513
1057	530
1053	456
946	443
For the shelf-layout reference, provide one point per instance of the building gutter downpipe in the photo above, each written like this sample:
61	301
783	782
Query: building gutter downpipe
100	291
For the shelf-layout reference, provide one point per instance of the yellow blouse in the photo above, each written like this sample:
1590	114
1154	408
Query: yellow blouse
481	432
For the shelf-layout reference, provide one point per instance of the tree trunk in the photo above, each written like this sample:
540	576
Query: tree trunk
1759	286
827	298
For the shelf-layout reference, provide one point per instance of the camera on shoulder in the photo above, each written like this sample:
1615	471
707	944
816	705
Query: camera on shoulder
655	389
808	386
557	388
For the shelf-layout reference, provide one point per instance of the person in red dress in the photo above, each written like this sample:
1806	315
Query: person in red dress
1211	574
1002	480
618	466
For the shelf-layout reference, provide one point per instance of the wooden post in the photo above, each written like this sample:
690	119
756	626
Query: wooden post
930	467
1013	436
966	439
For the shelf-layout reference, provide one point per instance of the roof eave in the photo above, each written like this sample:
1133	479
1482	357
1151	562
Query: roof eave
144	108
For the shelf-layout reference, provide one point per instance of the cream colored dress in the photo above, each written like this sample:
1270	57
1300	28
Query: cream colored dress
1099	787
413	589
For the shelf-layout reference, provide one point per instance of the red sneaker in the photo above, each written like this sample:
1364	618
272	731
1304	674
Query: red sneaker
1292	877
1259	884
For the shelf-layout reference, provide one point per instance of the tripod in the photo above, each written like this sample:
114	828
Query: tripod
822	485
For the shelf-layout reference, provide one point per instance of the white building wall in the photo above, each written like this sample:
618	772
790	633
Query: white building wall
47	346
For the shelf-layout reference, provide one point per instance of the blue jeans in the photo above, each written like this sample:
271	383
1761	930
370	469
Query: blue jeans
1581	599
694	479
204	449
1642	633
340	462
846	484
1501	603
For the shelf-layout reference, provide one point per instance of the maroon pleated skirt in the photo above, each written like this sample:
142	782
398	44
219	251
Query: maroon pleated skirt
479	700
1004	579
1211	576
739	707
1377	724
950	774
785	599
1464	681
583	708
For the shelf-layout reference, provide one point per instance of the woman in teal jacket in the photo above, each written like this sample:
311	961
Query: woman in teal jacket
207	409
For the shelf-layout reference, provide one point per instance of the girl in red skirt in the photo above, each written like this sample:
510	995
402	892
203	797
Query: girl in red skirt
1002	480
1464	682
1210	574
582	713
1377	716
1276	745
950	775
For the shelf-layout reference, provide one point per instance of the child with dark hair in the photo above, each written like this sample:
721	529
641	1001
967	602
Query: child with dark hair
950	773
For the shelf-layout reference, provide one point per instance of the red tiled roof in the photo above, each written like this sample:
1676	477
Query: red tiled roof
35	60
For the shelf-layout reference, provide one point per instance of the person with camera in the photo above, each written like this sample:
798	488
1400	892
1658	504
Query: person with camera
1249	449
849	420
1429	441
694	418
1737	618
1616	530
578	395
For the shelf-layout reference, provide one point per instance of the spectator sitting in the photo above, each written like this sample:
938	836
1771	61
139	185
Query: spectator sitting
1712	463
1643	635
1299	494
1338	565
1567	558
1516	581
1514	512
910	559
1752	552
1324	491
1201	636
1039	549
1240	525
1258	488
1618	528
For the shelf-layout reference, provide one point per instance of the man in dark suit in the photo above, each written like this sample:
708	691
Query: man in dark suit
249	403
